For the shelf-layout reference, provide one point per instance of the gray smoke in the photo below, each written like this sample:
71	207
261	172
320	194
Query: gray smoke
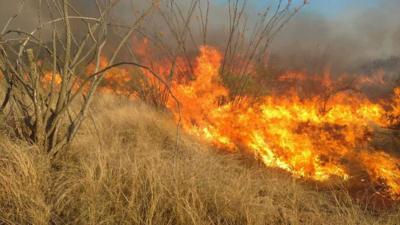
27	19
348	42
345	43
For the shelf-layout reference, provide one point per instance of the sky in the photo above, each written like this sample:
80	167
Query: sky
334	8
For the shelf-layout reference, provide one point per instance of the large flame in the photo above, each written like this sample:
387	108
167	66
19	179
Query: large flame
322	137
317	138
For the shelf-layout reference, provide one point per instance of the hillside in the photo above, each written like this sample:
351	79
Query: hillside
125	169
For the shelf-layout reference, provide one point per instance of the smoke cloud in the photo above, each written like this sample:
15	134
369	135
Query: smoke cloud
348	42
27	19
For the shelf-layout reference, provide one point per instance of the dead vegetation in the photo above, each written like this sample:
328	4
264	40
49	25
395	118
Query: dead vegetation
45	77
126	170
123	166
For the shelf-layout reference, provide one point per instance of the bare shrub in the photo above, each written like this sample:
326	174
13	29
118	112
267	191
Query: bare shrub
178	28
41	111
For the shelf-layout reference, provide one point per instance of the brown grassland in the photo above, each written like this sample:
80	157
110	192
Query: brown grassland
125	169
71	154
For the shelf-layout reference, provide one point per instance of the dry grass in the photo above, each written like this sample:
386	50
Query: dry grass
125	170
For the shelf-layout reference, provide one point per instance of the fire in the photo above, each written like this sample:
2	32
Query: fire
383	168
203	90
322	137
395	106
48	77
316	138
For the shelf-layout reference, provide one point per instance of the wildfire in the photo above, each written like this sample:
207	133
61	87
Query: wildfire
48	77
319	138
315	138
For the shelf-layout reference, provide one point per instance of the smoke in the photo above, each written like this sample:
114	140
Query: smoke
347	42
27	11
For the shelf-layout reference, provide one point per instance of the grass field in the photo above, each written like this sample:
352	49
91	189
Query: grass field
125	169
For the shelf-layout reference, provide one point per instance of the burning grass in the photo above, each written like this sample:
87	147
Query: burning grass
322	137
126	170
307	131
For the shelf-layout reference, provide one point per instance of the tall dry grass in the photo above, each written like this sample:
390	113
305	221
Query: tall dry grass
125	169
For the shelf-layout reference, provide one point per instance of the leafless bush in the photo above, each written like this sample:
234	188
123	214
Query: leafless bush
44	77
244	42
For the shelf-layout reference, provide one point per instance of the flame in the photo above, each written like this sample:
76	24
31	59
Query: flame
320	137
117	80
48	77
383	168
395	108
317	138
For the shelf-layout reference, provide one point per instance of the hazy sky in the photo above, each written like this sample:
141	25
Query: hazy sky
334	8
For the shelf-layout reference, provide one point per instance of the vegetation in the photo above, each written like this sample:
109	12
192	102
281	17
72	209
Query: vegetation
126	170
40	111
69	155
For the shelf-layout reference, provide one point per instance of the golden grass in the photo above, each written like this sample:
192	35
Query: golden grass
126	170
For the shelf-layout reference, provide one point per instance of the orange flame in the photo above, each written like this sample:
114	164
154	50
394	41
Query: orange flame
319	138
316	138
